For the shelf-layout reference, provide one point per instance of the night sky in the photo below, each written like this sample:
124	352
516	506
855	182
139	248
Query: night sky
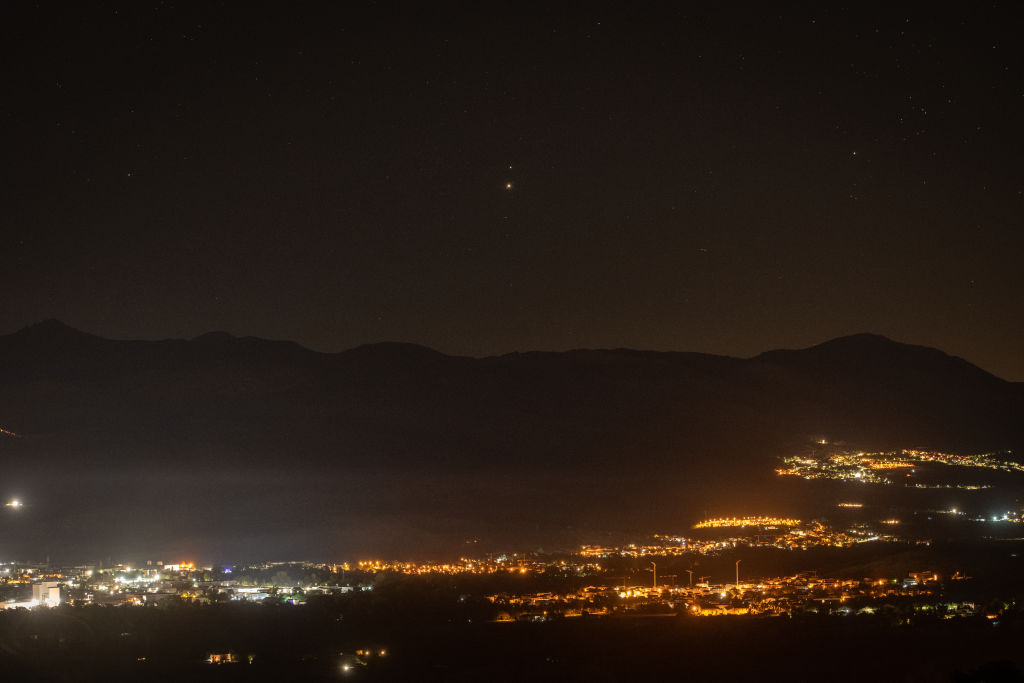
717	179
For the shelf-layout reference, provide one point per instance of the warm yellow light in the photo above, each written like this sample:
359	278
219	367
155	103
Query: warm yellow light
746	521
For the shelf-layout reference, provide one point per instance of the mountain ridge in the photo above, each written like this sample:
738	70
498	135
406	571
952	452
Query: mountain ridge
377	443
53	328
409	404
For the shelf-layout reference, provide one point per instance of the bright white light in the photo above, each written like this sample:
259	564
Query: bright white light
14	504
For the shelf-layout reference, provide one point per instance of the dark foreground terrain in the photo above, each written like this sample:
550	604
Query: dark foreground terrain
426	638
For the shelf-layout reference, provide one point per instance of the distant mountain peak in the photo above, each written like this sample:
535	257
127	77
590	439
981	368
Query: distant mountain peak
52	324
852	343
51	328
863	352
397	349
216	336
861	338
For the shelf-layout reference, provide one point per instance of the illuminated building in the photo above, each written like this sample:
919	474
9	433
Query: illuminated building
46	593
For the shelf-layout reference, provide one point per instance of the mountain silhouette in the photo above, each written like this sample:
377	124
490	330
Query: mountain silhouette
409	405
403	415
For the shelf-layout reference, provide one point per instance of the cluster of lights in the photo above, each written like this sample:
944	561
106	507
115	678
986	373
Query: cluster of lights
790	534
767	596
361	658
887	465
464	566
866	467
723	522
965	487
500	565
667	546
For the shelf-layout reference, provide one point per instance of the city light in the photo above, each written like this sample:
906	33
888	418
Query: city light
874	468
746	521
